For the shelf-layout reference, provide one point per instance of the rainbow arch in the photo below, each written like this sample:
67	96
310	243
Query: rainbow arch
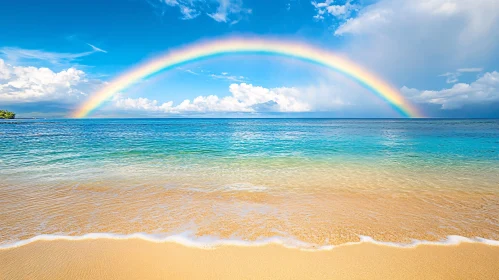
214	48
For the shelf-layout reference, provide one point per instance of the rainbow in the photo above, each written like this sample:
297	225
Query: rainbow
219	47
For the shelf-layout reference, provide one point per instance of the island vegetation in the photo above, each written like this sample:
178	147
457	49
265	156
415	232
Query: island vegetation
4	114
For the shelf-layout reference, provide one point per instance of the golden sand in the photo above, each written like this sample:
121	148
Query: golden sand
139	259
319	217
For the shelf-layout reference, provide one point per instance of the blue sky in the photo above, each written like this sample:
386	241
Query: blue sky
440	54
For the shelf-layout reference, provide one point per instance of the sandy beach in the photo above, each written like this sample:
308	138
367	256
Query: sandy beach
139	259
143	199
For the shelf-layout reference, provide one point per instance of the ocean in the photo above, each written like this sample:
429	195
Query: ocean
300	182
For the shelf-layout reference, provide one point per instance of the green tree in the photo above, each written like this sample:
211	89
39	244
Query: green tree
4	114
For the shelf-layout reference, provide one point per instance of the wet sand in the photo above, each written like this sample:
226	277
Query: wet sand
320	217
139	259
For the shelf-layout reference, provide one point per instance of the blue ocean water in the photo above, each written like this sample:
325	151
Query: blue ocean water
320	181
35	151
46	142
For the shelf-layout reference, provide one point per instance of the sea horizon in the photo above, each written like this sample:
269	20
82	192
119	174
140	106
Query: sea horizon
270	118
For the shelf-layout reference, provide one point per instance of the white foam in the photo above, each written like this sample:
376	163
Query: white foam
243	187
234	187
209	242
450	240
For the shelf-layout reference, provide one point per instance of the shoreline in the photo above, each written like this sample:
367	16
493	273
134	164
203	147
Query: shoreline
211	242
140	259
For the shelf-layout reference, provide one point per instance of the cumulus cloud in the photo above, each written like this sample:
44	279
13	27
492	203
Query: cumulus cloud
226	10
244	98
19	84
425	35
481	16
484	90
141	103
330	93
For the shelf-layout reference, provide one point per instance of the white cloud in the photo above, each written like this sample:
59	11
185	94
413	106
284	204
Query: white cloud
15	55
244	98
330	92
226	76
191	72
96	49
226	10
398	36
221	76
188	13
478	17
189	9
140	104
20	84
330	8
469	70
484	90
453	77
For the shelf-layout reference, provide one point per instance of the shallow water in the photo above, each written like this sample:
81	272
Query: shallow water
317	181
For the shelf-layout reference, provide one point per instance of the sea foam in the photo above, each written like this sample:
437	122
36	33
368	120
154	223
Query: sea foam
209	242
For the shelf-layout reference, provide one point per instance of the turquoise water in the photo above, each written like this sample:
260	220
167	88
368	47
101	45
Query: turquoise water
69	143
319	181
